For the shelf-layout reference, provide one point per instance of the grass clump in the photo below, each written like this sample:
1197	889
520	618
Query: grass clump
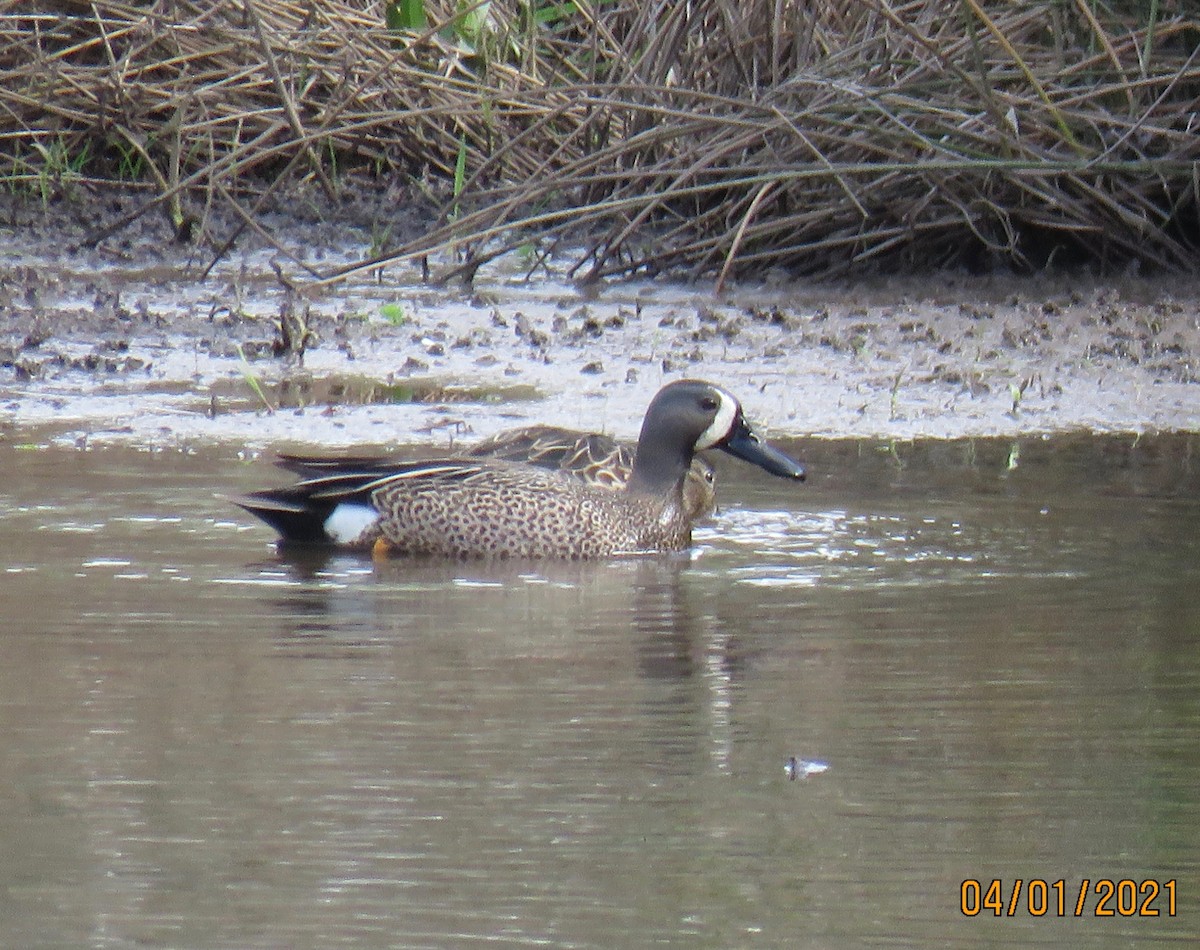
722	137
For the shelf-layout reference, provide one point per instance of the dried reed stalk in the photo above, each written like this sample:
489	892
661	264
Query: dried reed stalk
718	137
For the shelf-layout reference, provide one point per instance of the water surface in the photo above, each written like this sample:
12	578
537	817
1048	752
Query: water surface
986	658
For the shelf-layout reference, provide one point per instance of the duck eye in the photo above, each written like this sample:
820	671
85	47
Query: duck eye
709	404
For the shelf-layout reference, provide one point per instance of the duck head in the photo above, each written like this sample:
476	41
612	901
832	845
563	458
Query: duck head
690	415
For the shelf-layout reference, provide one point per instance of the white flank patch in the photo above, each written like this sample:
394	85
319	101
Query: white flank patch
722	423
347	522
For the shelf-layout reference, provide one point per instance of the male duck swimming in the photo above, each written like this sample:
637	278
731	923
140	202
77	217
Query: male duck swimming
487	507
595	459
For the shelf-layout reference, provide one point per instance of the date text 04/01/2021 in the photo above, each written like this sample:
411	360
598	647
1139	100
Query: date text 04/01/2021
1104	897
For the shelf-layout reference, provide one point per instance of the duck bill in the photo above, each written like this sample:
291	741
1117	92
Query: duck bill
745	443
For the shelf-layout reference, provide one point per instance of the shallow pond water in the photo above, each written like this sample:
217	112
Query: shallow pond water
983	657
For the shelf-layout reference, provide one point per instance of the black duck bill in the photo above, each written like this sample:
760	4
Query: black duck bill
744	443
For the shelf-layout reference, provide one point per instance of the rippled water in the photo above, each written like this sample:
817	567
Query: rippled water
984	662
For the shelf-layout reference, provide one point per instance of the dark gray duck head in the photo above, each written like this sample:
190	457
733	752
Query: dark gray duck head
690	415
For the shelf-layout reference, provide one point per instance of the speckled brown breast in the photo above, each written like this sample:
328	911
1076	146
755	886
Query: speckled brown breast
498	509
593	458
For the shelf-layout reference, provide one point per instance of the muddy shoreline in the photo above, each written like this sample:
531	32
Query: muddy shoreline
124	343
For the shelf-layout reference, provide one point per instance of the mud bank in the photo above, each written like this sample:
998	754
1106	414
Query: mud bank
125	342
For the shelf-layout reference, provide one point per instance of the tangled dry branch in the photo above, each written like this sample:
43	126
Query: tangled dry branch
713	136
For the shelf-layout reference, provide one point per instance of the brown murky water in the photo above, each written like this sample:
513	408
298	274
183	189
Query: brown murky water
984	672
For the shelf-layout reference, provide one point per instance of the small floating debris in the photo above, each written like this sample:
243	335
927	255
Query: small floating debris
796	768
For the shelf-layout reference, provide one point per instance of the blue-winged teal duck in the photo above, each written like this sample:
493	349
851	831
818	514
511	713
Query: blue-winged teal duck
483	507
597	459
593	458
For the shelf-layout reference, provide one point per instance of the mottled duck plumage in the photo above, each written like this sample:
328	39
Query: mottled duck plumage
595	459
493	507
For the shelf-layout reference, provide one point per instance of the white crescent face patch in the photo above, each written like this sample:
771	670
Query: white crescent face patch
722	422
